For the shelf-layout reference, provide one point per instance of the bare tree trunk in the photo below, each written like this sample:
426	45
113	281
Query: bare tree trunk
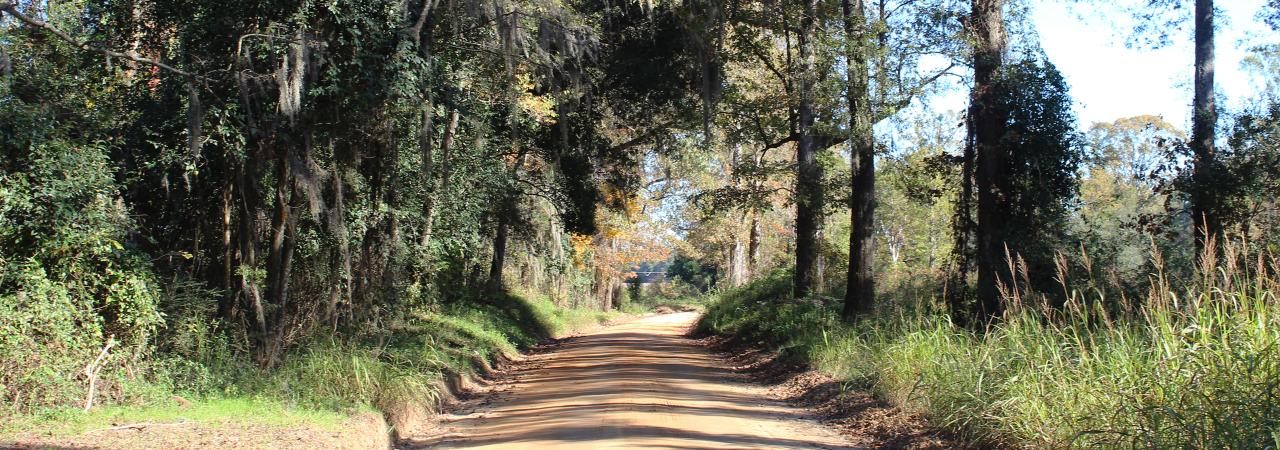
195	123
989	123
618	291
860	291
508	205
961	229
290	78
1204	119
820	264
808	172
428	114
6	66
737	262
393	244
280	258
246	189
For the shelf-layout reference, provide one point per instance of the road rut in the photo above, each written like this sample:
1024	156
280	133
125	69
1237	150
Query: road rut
637	385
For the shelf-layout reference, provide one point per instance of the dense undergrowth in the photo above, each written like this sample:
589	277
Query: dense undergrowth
398	371
1196	366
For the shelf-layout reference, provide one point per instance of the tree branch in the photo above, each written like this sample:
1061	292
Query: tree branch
911	93
13	10
792	138
641	138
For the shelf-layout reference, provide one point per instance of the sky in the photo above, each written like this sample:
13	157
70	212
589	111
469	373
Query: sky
1110	80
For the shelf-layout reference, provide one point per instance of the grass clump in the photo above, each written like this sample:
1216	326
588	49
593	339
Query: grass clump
1197	367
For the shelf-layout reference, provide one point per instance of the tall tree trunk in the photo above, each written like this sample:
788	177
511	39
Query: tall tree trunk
505	211
736	252
820	264
429	207
961	228
507	207
808	172
290	79
427	128
280	258
498	263
1203	120
246	189
248	255
425	146
737	262
989	124
860	293
753	246
393	244
341	262
279	230
226	305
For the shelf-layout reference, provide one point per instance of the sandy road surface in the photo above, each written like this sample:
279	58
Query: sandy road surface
638	385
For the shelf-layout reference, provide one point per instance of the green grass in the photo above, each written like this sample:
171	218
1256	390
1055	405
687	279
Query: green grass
397	371
1197	367
228	410
558	321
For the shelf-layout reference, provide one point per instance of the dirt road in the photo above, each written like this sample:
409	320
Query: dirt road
638	385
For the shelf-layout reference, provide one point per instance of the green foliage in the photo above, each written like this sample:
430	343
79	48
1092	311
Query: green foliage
1122	213
214	222
1043	161
70	286
1197	368
684	269
1251	175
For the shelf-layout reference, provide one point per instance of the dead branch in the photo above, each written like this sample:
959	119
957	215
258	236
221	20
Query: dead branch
91	371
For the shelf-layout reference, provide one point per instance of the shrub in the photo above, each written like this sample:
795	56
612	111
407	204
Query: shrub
69	286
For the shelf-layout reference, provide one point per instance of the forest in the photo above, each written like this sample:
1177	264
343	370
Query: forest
233	224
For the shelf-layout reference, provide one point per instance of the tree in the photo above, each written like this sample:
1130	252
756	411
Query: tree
1122	208
1204	121
988	122
1158	20
860	290
1042	155
809	195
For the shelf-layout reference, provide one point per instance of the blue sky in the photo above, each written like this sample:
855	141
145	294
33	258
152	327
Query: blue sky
1109	80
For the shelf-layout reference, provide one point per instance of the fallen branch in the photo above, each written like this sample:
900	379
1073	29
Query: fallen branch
139	426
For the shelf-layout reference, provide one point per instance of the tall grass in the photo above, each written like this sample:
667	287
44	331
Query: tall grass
1192	366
